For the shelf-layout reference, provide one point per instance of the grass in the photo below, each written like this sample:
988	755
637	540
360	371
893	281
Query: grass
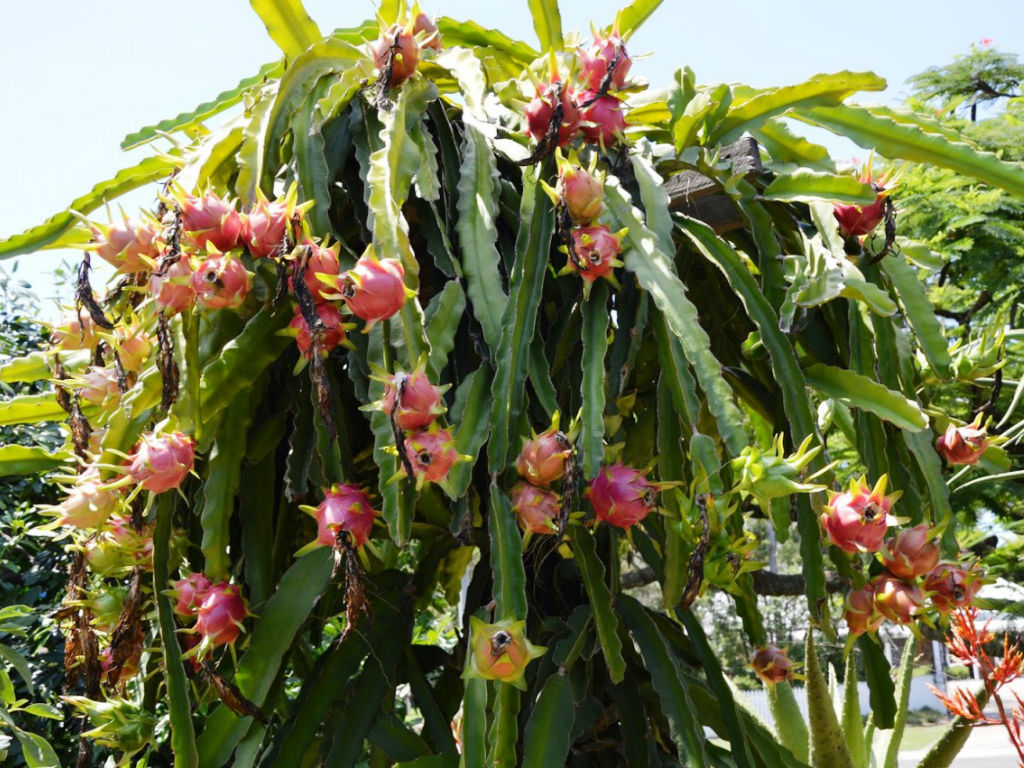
920	737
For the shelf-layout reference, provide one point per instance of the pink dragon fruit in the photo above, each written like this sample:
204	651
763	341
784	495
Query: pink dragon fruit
406	53
596	61
161	462
209	220
581	192
374	289
75	331
345	508
861	613
266	223
621	495
89	503
220	616
172	291
129	245
543	457
536	508
772	664
335	330
962	445
418	401
595	254
911	553
189	593
950	586
857	520
601	121
431	452
897	600
322	270
540	111
220	282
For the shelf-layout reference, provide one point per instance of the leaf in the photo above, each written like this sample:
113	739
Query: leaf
595	347
288	24
549	730
470	413
915	143
36	750
468	33
858	391
443	316
903	679
828	749
656	273
478	233
183	736
880	685
676	703
512	355
20	664
789	720
506	557
600	597
853	725
474	722
36	365
30	409
29	460
784	146
804	185
920	314
633	15
186	121
297	592
820	89
547	22
47	233
504	731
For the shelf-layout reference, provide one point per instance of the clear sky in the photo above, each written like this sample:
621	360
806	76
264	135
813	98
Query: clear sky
76	77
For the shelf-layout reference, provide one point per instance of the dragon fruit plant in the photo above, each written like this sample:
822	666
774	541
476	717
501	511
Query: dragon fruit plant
415	368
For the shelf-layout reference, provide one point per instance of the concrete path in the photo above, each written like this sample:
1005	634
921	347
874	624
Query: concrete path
988	747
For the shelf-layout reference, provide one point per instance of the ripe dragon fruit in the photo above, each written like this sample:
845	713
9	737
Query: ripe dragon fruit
911	553
209	220
189	593
335	330
75	331
172	291
418	401
322	269
607	52
374	289
540	112
220	281
582	193
402	41
951	586
88	504
161	462
431	453
265	224
220	616
897	600
129	245
621	495
133	346
536	508
543	457
861	613
595	255
345	507
602	120
857	519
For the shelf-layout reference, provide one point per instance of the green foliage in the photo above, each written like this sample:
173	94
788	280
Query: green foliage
720	358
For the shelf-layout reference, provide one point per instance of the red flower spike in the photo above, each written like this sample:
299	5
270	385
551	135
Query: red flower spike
772	664
621	495
911	553
857	520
